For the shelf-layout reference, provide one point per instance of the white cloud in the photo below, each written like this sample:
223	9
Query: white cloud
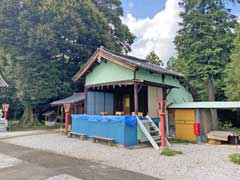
155	33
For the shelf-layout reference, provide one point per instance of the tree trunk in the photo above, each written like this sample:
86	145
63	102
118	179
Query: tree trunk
28	118
211	97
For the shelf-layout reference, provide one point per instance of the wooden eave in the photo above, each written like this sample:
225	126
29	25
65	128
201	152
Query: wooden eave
130	82
101	54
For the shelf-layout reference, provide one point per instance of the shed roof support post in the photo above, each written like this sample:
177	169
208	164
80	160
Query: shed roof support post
135	93
136	98
85	100
164	93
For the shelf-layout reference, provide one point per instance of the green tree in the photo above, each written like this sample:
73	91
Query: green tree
203	45
46	41
153	58
232	79
171	63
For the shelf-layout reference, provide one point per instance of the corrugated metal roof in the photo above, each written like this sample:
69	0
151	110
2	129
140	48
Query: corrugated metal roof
3	82
75	98
207	105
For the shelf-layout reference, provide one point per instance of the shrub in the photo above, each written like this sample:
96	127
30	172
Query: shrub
170	152
235	158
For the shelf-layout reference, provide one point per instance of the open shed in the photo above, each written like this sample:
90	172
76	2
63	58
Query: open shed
120	85
76	100
77	105
183	116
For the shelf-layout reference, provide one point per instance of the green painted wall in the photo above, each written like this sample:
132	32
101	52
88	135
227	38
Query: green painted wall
177	95
146	75
108	72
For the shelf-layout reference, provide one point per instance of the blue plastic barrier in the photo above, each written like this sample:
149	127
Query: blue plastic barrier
123	129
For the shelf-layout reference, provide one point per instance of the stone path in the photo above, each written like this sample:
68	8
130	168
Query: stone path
21	163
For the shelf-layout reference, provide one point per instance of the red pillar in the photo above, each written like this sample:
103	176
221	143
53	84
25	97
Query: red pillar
66	121
5	108
162	106
67	112
162	124
5	115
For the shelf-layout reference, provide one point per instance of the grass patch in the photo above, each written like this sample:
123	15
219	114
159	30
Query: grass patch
170	152
181	141
235	158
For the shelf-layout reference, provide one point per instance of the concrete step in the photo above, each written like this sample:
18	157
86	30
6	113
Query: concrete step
154	133
156	137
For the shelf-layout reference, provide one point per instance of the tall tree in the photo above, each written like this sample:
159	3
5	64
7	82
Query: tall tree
153	58
232	79
203	44
47	40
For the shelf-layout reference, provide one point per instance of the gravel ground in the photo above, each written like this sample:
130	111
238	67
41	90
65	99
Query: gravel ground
63	177
6	161
199	162
4	135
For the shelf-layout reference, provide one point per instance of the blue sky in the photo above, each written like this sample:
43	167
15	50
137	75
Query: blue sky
148	8
142	8
155	24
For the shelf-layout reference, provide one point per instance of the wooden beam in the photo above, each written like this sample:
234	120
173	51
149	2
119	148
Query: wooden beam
86	66
168	91
116	83
85	99
116	60
135	98
139	89
154	84
164	92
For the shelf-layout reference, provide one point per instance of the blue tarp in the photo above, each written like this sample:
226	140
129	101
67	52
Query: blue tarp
127	120
123	129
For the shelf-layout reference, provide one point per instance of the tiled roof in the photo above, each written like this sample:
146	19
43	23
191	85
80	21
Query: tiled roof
141	63
75	98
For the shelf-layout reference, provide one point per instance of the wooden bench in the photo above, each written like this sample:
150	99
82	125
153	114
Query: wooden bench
109	141
104	113
119	113
81	135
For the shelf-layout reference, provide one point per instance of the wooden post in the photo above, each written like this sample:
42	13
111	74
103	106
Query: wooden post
85	99
164	93
162	106
135	99
62	117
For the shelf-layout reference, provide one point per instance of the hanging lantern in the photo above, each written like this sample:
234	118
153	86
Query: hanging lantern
5	108
67	107
162	106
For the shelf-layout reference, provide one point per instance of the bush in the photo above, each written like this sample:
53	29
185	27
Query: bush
170	152
235	158
227	126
